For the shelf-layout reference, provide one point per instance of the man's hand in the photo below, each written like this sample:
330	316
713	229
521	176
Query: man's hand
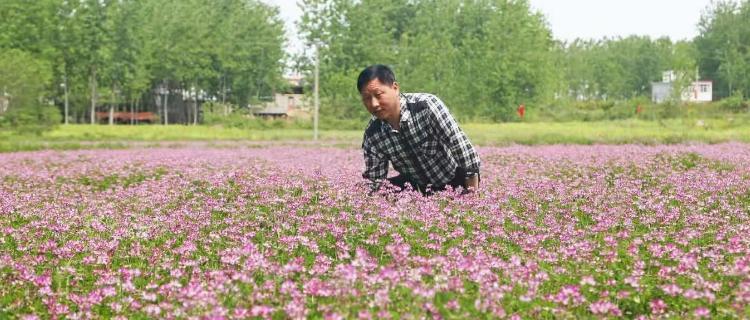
472	183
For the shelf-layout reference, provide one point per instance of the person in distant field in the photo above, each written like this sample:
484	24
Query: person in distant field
417	134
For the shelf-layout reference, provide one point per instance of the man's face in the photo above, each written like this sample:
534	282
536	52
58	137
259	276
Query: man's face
382	100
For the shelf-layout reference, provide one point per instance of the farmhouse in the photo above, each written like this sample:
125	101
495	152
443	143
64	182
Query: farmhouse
697	91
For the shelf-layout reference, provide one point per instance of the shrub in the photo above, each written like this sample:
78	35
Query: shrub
734	103
31	120
26	80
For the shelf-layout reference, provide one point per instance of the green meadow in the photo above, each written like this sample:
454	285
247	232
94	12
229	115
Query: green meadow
671	131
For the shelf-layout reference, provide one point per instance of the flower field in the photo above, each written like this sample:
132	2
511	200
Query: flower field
290	232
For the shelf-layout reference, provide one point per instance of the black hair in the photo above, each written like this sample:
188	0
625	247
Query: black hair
377	71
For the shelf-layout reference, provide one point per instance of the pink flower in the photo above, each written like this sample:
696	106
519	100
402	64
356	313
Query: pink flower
603	307
364	315
702	312
316	287
333	316
588	280
261	311
152	310
452	305
657	306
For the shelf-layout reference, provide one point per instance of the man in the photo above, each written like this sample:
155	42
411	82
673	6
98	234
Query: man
416	134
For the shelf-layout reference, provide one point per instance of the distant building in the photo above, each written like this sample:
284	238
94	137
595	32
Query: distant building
286	102
698	91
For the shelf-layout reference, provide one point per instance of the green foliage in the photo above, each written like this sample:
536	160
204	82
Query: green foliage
722	47
668	110
118	52
483	62
241	118
622	68
230	48
727	111
592	110
334	123
24	81
32	120
628	131
23	78
483	58
461	51
735	103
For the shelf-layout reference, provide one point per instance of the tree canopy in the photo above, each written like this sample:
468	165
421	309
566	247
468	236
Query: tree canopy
107	52
483	57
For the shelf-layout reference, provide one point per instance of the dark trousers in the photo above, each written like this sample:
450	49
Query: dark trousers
400	181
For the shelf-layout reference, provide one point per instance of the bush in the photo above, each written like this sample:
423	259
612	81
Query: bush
668	110
592	105
31	120
242	118
26	80
621	110
734	103
595	110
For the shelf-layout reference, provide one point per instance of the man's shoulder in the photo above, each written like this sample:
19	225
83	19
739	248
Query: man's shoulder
418	102
416	97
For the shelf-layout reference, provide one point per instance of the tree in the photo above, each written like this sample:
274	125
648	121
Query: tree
723	46
23	82
481	57
622	68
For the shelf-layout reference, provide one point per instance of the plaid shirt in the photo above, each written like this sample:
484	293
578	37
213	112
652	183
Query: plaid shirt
427	148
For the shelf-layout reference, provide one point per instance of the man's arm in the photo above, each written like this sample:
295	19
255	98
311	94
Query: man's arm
448	131
376	166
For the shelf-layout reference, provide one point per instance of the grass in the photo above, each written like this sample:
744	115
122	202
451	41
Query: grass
533	133
609	132
185	133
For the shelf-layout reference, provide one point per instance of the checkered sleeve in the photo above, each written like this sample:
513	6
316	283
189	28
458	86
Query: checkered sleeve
448	131
376	165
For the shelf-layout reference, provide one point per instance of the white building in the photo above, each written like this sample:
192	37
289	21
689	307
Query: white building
287	102
698	91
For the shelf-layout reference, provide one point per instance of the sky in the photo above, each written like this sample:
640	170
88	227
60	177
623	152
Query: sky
587	19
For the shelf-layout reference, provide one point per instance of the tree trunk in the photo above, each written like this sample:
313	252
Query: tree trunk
92	82
195	111
223	88
166	105
186	107
112	106
195	107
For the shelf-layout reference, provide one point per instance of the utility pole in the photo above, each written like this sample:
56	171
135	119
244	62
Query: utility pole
166	100
65	86
316	94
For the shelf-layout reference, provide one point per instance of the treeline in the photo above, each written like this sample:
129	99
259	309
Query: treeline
84	54
483	57
486	57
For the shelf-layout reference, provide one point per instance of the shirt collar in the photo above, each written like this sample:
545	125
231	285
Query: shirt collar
404	115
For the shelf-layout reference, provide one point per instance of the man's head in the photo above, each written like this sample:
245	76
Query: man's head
380	92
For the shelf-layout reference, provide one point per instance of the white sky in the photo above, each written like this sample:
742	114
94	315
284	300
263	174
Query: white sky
570	19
